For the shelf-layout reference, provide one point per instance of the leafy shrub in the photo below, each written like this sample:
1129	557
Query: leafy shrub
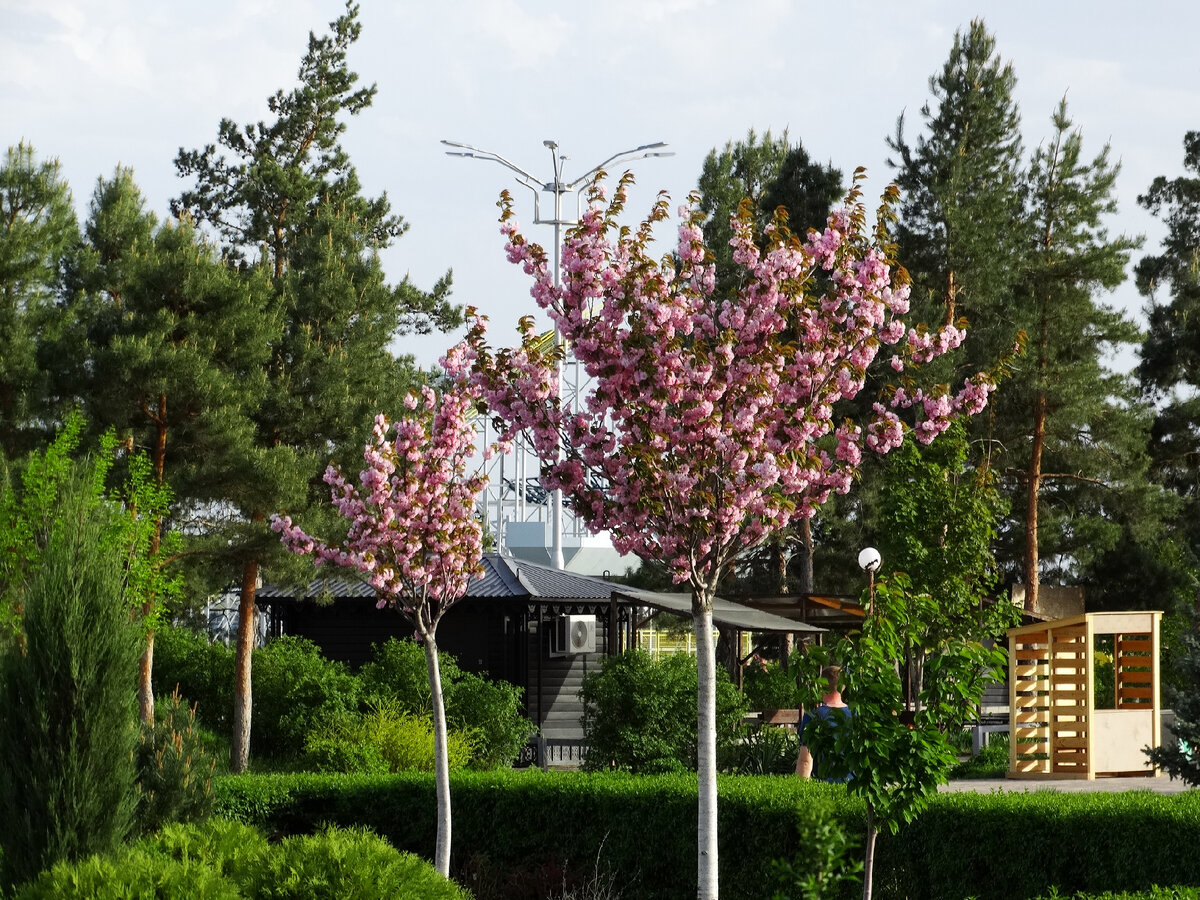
295	687
340	752
489	711
764	750
130	873
224	860
337	863
990	762
200	669
175	770
770	686
388	739
295	690
640	713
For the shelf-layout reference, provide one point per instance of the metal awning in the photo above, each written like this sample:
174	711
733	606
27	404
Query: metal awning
724	611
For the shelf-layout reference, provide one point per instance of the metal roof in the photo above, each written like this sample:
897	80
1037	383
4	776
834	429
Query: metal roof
725	612
507	578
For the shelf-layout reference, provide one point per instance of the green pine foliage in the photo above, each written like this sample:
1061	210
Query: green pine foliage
38	230
175	768
67	708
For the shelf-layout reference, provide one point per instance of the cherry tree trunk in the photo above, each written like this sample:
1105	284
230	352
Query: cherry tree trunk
441	860
706	747
869	855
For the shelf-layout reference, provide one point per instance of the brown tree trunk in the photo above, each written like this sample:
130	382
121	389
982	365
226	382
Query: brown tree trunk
146	666
239	755
1034	488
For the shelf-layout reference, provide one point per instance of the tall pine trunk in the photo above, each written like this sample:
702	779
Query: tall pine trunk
441	860
706	746
146	666
239	752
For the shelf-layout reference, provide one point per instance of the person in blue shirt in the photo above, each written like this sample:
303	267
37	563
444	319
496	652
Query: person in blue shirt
831	708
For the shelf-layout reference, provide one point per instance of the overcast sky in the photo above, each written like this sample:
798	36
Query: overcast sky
131	81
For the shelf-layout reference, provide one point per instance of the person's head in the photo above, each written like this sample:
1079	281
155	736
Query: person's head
831	675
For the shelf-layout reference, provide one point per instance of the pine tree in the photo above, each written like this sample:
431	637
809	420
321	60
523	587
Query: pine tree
1170	365
37	231
171	347
1070	425
960	190
288	186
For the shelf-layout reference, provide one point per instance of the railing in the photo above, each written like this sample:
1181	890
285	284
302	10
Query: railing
545	752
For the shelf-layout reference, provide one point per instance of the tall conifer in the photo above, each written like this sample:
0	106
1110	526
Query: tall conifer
287	188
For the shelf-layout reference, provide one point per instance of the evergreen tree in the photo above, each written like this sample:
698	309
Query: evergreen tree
1170	363
171	351
1072	430
67	715
37	231
960	195
287	186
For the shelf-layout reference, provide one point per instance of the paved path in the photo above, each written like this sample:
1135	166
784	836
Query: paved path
1160	785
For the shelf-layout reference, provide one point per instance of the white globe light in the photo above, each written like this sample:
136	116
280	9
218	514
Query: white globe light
869	560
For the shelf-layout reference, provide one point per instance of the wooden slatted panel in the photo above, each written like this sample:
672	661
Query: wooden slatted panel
1029	706
1133	661
1070	689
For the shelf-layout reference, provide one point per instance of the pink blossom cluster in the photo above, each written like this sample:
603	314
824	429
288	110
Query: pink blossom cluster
413	530
710	419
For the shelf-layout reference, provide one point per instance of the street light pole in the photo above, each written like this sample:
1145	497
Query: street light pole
557	187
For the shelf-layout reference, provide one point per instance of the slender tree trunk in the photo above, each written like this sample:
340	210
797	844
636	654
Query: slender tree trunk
1034	488
441	859
869	855
239	755
146	666
706	747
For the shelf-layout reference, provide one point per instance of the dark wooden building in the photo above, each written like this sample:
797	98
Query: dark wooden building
539	628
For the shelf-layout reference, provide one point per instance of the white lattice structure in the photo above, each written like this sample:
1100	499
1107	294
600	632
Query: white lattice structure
516	509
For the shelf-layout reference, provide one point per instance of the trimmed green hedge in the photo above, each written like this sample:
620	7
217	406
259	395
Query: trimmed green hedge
518	827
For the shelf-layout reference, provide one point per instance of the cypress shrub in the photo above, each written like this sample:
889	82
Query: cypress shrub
67	702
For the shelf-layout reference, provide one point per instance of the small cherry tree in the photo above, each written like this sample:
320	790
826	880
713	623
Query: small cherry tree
709	422
413	532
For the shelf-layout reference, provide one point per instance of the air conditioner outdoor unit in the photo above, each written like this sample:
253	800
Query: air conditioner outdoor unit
574	634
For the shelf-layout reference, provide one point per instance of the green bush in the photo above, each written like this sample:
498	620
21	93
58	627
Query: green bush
295	690
990	846
388	739
763	750
67	708
224	860
489	711
990	762
770	686
640	713
175	770
200	669
337	864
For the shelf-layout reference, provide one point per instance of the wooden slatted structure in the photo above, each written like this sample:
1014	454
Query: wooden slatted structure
1056	731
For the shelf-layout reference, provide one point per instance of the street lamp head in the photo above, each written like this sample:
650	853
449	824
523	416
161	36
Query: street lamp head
550	145
869	560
